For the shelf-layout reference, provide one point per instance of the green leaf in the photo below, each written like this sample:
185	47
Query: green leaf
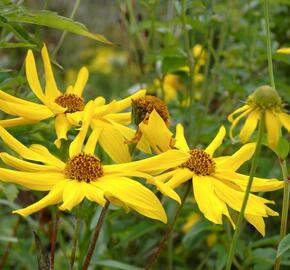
6	45
284	245
281	150
53	20
116	265
9	239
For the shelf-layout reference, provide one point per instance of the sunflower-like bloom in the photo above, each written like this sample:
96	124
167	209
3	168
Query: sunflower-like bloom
84	176
265	100
217	185
151	116
67	108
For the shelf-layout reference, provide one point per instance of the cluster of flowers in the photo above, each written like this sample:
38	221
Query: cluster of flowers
216	184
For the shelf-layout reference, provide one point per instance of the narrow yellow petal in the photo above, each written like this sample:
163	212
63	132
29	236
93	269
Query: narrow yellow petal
143	145
235	161
284	50
75	118
166	176
217	141
73	194
180	141
53	197
81	82
165	161
237	120
285	120
157	133
94	194
16	122
32	180
257	222
249	126
210	205
134	195
92	141
273	128
62	126
6	97
25	165
181	175
51	90
239	110
121	118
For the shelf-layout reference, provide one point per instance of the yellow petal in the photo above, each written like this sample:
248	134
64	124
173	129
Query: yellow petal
234	162
156	133
75	118
239	110
61	128
73	194
51	90
25	165
180	141
127	133
36	112
143	145
210	205
257	222
258	185
6	97
285	120
94	194
134	195
32	180
53	197
166	176
249	126
273	128
181	175
237	120
217	141
16	122
284	50
92	141
121	118
47	156
165	161
81	82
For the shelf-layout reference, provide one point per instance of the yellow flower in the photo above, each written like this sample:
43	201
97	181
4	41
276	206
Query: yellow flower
84	176
265	100
217	185
283	50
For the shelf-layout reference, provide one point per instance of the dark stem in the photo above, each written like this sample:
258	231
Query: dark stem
53	239
95	236
161	246
9	245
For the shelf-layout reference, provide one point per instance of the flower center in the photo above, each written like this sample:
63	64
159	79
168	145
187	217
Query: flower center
265	97
72	102
200	162
84	167
142	107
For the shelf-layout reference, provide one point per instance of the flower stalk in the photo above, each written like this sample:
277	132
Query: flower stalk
247	194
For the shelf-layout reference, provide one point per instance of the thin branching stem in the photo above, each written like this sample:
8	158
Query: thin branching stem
53	238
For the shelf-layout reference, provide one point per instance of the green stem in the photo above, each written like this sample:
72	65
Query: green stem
191	67
64	33
247	194
76	237
269	49
285	208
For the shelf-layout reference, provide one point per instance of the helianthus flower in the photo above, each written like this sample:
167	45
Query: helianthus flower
217	185
264	101
151	116
84	176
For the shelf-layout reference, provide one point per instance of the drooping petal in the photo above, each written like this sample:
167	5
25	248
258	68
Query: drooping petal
234	162
94	194
180	141
53	197
237	120
167	175
134	195
273	128
156	133
285	120
32	180
208	202
62	126
167	160
121	118
249	126
257	222
16	122
217	141
73	194
258	185
81	82
239	110
25	165
181	175
6	97
92	141
51	90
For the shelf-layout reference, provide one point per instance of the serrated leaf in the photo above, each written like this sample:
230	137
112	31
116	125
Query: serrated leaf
284	245
53	20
